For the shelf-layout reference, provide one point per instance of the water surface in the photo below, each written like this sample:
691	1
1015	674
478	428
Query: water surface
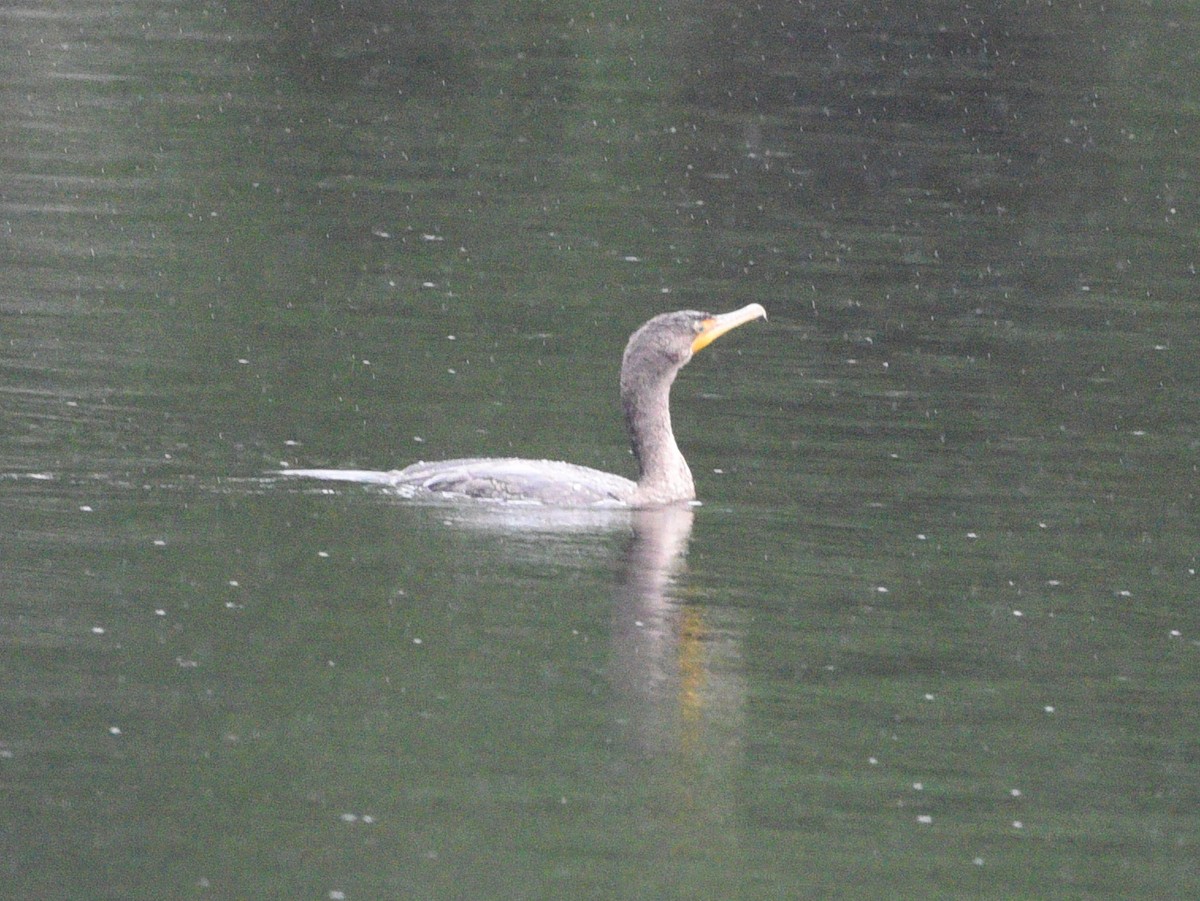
932	631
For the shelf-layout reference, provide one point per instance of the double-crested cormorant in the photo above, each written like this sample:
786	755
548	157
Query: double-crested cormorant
655	354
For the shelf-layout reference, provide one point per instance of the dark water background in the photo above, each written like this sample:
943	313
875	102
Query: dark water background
934	633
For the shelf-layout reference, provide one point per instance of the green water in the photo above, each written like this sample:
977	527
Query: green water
933	632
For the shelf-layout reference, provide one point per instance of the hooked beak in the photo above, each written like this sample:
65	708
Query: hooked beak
715	326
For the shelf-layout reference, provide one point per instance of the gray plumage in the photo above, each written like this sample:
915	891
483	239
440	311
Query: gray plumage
653	357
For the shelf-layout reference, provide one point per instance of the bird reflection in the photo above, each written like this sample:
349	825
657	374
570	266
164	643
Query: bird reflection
666	655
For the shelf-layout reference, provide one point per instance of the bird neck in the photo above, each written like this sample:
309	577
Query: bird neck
663	473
